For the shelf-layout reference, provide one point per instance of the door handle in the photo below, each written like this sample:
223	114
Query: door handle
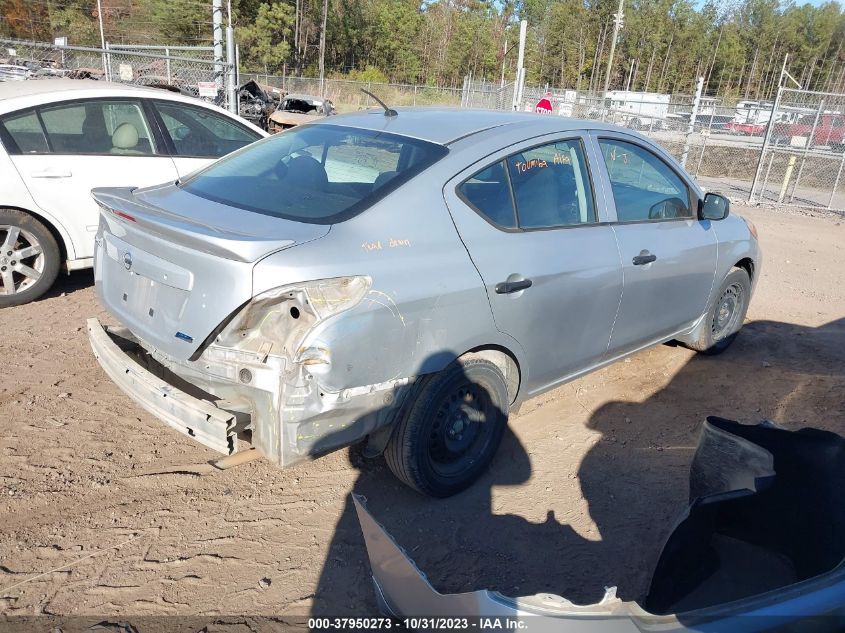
643	258
507	287
51	173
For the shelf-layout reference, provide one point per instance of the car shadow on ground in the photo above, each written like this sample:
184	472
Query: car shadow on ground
634	480
68	283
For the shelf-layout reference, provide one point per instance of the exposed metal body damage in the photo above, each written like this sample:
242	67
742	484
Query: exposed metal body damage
761	547
290	415
298	109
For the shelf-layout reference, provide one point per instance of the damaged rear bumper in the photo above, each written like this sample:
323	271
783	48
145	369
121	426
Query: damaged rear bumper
403	592
776	494
284	410
196	418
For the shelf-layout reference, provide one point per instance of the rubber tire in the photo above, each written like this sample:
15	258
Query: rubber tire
705	344
52	256
407	451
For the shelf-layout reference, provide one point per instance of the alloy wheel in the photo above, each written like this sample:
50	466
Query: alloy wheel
21	260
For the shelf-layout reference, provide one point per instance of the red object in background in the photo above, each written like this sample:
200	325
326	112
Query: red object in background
749	129
544	105
830	130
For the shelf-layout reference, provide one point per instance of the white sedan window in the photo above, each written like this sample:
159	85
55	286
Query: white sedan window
97	127
26	132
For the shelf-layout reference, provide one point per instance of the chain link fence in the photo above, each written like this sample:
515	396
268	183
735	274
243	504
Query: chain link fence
348	96
188	69
727	146
787	152
803	154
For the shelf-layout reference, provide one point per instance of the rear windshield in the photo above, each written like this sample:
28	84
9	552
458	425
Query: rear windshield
320	174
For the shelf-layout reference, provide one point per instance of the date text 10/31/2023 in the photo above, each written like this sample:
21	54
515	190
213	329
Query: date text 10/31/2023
418	623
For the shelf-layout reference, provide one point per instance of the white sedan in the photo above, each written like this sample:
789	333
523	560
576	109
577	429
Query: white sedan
59	138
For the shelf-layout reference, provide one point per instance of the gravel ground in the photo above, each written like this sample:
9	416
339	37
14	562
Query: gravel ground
584	491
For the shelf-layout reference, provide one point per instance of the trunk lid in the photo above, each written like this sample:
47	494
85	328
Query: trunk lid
172	266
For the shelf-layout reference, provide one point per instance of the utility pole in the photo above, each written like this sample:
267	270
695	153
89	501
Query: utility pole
232	59
323	49
520	70
505	54
217	41
699	86
102	38
296	40
617	21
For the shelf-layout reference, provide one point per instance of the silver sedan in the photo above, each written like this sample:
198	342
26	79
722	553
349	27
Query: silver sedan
408	278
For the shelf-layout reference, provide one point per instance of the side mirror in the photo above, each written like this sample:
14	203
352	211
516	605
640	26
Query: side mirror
715	206
668	209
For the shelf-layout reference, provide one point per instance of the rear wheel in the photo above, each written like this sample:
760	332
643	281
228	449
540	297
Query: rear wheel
726	314
29	258
451	429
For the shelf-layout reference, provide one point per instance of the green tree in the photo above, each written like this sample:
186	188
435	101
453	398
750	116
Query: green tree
76	20
266	42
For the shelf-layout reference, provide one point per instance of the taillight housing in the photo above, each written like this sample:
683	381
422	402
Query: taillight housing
276	322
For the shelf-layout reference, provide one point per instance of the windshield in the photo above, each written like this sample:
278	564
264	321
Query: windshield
320	174
300	105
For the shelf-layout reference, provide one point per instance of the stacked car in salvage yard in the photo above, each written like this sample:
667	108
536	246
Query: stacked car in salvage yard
405	279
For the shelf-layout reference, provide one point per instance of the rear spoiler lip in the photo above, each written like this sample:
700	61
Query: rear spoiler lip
122	205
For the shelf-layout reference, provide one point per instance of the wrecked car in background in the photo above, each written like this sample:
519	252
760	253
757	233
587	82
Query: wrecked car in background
408	279
296	109
13	72
257	102
761	547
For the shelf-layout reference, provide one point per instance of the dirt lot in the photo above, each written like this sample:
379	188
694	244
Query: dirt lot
581	496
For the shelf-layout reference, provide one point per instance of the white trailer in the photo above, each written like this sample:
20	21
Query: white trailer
638	110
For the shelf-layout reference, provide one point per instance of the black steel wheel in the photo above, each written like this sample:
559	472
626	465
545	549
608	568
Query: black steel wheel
451	429
726	314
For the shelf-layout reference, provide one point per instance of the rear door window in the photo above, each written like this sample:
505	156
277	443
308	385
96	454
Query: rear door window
542	187
97	127
551	186
201	133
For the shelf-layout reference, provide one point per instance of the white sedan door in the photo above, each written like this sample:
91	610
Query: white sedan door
66	149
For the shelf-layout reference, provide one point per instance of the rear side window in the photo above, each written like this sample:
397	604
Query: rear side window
202	133
319	174
98	127
549	186
26	132
489	192
644	187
